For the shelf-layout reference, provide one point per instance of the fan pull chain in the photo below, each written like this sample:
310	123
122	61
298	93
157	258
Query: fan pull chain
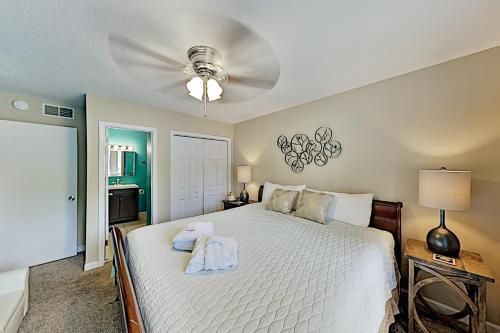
205	94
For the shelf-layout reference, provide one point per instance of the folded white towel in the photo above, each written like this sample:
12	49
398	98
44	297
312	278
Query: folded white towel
213	253
186	239
198	256
220	253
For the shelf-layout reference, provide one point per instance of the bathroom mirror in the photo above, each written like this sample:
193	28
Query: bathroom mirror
121	163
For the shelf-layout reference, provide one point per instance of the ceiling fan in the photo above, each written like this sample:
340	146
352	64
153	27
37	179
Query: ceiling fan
206	75
237	66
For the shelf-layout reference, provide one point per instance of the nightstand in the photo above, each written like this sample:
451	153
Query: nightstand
470	271
234	204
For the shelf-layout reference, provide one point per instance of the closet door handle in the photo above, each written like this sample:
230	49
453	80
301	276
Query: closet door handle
71	198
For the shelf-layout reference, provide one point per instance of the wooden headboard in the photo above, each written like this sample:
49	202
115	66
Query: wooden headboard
386	215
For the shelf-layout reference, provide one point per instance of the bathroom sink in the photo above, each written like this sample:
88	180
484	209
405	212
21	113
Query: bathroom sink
122	186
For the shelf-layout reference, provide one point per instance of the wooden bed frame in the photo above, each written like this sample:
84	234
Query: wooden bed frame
386	216
132	321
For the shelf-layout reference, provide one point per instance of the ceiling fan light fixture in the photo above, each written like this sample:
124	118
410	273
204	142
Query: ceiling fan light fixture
195	87
214	90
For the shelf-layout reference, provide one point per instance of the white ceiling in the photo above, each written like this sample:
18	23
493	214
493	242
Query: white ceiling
59	49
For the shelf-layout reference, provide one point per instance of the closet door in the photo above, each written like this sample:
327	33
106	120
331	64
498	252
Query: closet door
195	177
186	177
215	174
38	186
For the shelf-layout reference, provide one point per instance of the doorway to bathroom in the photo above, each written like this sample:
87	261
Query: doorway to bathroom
127	180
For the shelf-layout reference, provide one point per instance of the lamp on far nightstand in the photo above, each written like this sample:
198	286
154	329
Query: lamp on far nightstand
244	176
445	190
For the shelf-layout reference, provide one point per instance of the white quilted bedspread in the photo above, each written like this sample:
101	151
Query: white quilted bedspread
294	276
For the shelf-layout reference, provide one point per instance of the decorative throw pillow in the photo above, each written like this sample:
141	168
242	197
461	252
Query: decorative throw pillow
314	206
282	201
270	187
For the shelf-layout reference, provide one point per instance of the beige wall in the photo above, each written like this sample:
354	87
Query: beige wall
446	115
104	109
34	115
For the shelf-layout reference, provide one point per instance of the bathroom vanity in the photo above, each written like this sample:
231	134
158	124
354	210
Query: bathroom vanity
123	201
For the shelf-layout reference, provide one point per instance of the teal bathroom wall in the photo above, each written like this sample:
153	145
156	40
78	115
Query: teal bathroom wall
139	140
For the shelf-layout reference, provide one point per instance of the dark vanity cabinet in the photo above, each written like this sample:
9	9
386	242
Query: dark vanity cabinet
123	205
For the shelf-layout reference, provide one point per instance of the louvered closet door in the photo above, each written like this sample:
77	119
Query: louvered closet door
215	174
187	177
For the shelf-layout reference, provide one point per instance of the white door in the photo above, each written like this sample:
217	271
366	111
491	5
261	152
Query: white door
38	188
215	174
187	177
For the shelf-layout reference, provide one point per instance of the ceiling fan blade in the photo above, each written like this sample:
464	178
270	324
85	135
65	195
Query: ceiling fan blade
242	49
135	65
120	46
143	64
237	94
247	57
175	89
255	82
238	38
249	60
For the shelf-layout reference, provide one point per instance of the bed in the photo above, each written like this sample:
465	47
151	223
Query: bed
294	275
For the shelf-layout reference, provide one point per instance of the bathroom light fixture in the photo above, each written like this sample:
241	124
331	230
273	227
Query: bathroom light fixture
206	75
120	147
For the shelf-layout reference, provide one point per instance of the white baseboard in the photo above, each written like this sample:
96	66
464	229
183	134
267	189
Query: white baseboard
490	327
80	248
92	265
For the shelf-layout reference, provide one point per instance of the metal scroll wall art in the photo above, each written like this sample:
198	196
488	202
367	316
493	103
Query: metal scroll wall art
301	151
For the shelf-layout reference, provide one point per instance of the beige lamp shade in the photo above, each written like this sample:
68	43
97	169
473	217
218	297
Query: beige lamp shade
444	189
244	174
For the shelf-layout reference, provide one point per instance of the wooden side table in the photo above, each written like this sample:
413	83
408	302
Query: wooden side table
233	204
470	270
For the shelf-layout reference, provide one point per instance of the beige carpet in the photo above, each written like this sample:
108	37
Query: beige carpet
63	298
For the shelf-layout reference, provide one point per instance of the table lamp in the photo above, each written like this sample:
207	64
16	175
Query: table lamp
244	176
445	190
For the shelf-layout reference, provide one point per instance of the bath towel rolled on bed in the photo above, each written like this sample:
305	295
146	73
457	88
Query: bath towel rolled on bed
186	239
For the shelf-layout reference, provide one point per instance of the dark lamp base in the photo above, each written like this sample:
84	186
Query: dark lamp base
244	196
443	241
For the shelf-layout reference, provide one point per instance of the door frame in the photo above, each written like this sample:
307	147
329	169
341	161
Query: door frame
103	178
207	137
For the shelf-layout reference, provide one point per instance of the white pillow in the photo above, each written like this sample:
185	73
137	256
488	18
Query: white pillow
270	187
354	209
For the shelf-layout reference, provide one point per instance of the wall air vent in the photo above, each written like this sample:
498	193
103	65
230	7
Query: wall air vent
58	111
